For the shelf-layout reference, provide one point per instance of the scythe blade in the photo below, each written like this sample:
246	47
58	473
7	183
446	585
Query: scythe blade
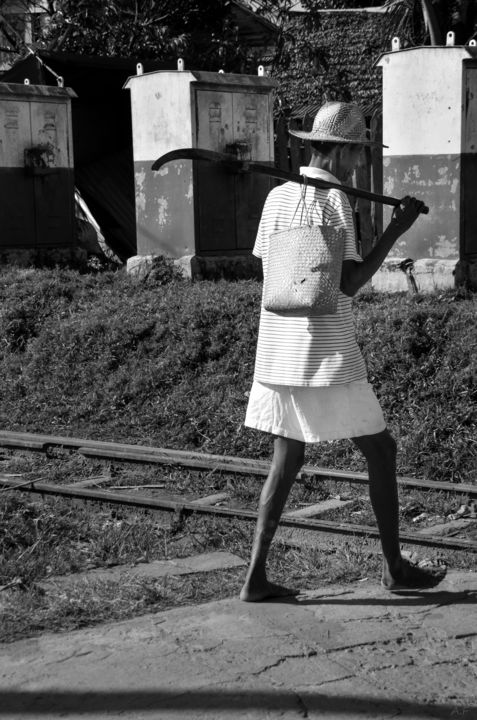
245	166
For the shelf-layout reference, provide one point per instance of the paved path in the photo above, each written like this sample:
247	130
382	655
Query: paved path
338	653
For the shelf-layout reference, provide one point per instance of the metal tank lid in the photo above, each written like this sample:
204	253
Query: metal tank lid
469	50
215	78
25	89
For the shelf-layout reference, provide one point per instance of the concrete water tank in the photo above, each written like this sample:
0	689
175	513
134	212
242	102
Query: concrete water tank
186	208
36	169
430	126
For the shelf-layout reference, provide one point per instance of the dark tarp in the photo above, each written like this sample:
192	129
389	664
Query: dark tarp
102	133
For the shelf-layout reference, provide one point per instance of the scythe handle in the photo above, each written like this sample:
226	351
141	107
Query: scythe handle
238	165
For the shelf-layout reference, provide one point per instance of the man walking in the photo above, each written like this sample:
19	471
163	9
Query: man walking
310	383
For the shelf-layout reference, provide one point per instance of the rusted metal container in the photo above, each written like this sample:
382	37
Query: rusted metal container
36	167
201	209
430	126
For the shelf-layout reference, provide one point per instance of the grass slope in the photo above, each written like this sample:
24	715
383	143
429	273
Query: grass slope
169	363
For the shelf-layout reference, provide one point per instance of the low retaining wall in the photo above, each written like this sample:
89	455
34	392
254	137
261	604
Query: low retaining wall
210	267
429	275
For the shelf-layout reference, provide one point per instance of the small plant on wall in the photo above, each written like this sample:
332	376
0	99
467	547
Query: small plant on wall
40	156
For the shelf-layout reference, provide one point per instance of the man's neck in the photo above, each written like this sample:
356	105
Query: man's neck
333	164
318	172
329	162
324	163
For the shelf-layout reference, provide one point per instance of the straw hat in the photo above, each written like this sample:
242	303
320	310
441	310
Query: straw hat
338	122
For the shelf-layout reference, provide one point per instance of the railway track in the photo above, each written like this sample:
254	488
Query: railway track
307	518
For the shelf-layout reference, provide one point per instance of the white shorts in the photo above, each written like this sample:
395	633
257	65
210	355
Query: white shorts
315	414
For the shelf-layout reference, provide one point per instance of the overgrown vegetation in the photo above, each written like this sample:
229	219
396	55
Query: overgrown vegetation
169	363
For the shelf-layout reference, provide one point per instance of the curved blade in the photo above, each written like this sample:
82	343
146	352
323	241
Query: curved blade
196	154
262	168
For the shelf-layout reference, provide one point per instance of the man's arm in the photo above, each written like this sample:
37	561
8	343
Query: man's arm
356	274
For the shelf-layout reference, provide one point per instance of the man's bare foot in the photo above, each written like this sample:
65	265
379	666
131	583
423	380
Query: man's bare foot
413	576
256	592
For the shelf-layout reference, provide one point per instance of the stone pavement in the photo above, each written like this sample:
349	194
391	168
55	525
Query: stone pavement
337	653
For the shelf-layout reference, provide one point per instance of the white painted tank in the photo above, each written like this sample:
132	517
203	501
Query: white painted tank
430	126
182	210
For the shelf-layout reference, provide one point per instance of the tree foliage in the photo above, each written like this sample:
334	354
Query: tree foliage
316	56
204	32
193	29
201	31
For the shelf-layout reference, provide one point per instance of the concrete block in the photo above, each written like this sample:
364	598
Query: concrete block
207	267
226	267
466	274
185	263
139	266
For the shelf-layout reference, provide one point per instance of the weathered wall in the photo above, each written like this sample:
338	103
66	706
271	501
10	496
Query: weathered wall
183	209
164	208
434	179
161	120
430	128
36	167
422	126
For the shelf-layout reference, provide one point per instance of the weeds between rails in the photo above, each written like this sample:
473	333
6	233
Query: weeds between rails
105	450
55	536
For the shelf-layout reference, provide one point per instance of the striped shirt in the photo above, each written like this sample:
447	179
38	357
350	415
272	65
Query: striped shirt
308	351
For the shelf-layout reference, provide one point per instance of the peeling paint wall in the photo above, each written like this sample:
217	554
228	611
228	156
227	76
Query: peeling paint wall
422	127
161	117
435	179
181	210
164	209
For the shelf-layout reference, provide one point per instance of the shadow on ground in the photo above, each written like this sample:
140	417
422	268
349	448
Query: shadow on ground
33	704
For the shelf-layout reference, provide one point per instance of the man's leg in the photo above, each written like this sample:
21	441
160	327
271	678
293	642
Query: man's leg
288	457
380	453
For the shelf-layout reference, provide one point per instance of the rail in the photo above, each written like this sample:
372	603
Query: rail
201	461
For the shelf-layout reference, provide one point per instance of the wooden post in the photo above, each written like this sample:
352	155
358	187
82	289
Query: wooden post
377	174
307	125
363	180
281	144
295	149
